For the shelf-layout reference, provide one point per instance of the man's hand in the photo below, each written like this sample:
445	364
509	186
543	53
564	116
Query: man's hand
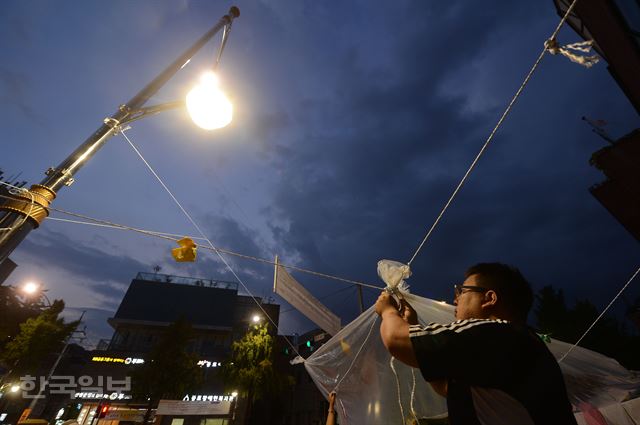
394	330
385	303
331	414
408	313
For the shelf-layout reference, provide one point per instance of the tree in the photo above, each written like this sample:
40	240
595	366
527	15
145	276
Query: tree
170	371
38	338
551	311
13	312
607	336
251	369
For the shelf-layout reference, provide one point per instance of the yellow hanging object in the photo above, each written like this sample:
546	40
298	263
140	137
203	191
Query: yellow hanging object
186	251
346	348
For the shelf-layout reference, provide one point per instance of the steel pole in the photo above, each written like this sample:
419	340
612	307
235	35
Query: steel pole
24	213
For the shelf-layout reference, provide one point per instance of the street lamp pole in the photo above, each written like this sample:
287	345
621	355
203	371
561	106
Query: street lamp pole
29	208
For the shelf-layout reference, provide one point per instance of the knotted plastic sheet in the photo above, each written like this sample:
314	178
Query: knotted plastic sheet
356	361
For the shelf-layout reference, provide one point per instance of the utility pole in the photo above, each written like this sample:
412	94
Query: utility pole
34	402
28	209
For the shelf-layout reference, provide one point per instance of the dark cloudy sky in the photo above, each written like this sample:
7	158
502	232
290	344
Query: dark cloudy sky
353	123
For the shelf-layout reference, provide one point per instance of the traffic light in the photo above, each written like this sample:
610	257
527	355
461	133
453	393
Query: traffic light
310	345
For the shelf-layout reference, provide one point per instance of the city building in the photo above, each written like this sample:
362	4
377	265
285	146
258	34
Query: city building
306	405
614	27
620	192
97	388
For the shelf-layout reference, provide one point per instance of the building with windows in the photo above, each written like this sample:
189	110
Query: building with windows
614	27
98	383
95	387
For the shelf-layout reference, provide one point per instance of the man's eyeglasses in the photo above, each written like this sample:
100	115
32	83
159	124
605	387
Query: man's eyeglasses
461	289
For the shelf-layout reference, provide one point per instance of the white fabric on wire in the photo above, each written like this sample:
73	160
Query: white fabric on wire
368	387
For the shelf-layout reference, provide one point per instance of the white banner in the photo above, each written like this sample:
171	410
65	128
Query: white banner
179	407
296	295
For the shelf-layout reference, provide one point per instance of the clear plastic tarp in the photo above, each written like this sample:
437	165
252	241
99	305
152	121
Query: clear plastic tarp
356	363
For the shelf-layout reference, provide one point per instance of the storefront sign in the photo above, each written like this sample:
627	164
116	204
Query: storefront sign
131	415
207	363
121	360
138	361
178	407
103	396
319	337
207	397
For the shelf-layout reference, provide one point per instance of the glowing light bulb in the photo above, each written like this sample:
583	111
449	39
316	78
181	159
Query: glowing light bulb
30	288
208	106
256	318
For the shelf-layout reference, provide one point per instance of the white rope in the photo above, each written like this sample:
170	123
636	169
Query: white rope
393	368
9	185
600	316
175	237
413	393
493	132
216	250
16	191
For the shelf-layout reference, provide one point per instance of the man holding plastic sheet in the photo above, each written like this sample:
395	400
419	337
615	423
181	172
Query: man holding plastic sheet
492	368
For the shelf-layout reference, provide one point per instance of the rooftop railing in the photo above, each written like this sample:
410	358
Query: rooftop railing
181	280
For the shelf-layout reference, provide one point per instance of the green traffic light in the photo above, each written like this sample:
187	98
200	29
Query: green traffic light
309	344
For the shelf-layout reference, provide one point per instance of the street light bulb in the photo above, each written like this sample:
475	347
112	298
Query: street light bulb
256	318
30	288
208	106
15	388
234	394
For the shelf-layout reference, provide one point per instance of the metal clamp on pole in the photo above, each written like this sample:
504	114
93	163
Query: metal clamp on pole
32	204
28	209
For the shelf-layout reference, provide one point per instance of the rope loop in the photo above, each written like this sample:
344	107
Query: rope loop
551	45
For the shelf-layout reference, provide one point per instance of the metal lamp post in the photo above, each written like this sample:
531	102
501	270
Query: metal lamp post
29	208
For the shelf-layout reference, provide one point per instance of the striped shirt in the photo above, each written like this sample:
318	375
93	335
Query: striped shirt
497	373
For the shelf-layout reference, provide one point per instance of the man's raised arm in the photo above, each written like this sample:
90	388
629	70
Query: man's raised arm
394	330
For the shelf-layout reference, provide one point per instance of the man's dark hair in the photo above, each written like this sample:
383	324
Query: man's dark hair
514	292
